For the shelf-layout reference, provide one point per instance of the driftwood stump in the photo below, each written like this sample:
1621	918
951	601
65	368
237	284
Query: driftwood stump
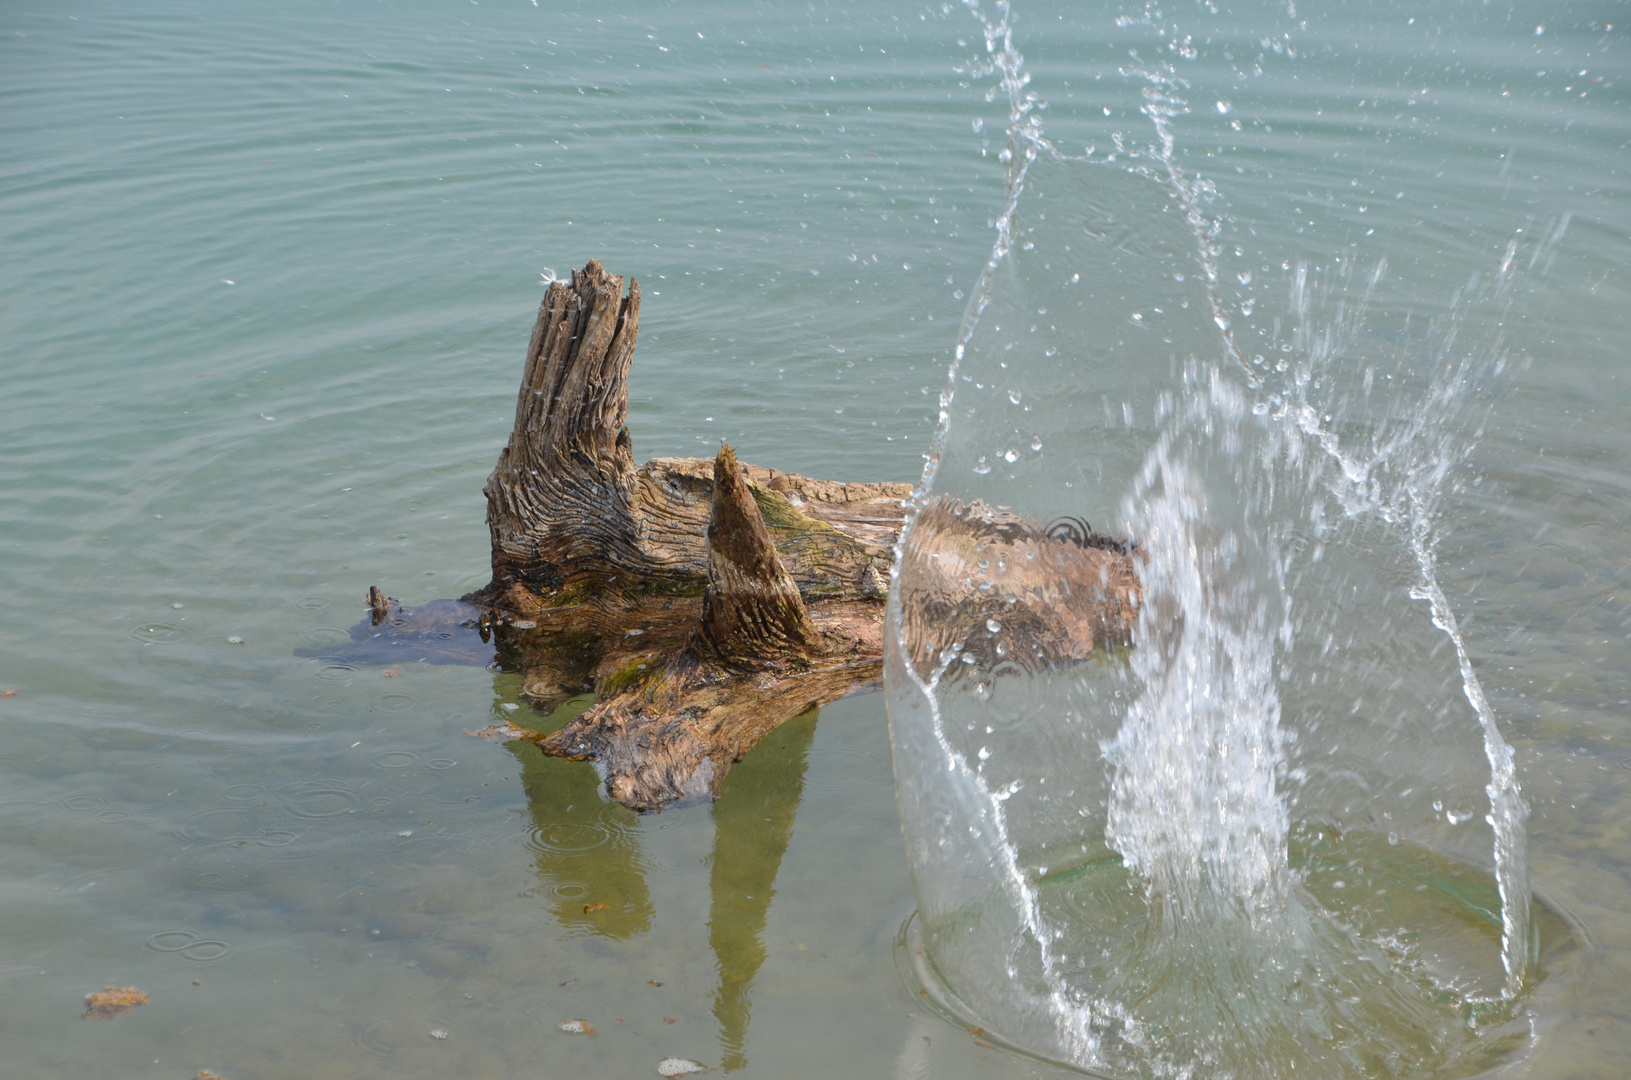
705	603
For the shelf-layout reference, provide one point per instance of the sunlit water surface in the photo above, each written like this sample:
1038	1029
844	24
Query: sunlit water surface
266	275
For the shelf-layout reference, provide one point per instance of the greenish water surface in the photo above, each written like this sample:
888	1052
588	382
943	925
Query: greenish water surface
266	277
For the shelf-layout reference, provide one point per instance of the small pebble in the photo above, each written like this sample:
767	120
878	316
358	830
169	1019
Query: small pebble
679	1067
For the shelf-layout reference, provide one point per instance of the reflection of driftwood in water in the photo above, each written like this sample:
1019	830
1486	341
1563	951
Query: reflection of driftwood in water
588	850
590	857
753	822
706	602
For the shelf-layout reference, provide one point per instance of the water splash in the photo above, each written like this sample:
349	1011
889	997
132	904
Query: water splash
1025	141
1206	753
1402	480
1413	504
1194	806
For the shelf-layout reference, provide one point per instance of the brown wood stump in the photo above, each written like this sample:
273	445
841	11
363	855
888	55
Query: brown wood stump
706	602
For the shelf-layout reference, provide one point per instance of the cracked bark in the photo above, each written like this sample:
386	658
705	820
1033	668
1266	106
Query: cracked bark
706	602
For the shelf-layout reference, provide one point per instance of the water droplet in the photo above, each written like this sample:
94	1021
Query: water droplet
993	625
1138	316
979	125
1244	277
981	467
1224	106
1260	409
438	1033
1222	321
1010	456
1036	443
1013	396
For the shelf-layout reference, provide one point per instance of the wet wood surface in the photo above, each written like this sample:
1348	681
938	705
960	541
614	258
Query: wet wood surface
705	602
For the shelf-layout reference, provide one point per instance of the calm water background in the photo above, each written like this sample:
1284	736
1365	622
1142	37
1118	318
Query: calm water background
266	275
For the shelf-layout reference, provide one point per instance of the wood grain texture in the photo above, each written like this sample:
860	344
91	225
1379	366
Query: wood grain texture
560	501
705	602
752	610
755	657
986	591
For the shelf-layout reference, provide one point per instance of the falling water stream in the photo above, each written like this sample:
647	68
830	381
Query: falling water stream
1234	849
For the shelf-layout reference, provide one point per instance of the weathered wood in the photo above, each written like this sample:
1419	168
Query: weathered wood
706	602
754	658
560	501
984	591
571	517
752	610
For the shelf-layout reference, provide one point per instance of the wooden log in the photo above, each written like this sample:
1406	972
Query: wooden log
752	610
985	591
706	602
560	501
754	658
571	517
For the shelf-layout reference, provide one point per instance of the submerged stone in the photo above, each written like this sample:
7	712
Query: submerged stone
113	1002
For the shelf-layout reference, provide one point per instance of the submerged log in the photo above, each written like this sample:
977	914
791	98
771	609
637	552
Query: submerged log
705	603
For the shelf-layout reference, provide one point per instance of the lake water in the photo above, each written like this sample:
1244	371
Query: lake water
266	278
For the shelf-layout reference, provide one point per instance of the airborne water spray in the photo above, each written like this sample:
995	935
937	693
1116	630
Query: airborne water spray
1138	865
